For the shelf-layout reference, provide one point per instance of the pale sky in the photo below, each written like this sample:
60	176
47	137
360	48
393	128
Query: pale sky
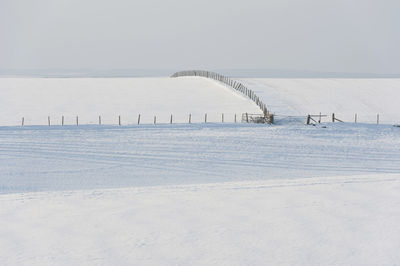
342	35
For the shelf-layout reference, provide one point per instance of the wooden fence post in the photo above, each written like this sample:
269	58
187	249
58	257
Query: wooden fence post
170	121
319	121
355	118
205	118
247	117
155	120
62	120
119	120
235	118
99	119
190	118
333	117
308	119
377	119
77	120
23	121
48	120
222	117
138	119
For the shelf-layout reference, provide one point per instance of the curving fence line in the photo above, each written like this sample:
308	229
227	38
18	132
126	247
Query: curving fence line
239	87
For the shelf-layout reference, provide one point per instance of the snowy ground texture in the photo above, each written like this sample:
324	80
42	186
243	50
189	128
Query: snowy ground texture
315	221
65	158
198	194
343	211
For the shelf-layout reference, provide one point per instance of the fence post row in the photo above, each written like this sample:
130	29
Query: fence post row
234	84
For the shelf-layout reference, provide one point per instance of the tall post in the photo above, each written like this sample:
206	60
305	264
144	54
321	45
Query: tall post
119	120
377	119
48	120
170	121
62	120
222	117
205	118
99	119
23	121
355	118
155	120
138	119
333	117
77	120
190	118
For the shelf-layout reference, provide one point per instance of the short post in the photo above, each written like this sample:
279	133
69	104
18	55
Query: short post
222	117
170	120
138	119
48	120
62	120
190	118
319	120
99	119
77	120
119	120
247	117
308	119
377	119
23	121
355	118
235	118
155	120
333	117
205	118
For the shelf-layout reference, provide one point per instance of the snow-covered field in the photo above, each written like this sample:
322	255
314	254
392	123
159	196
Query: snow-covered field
88	98
316	221
65	158
344	97
37	98
197	194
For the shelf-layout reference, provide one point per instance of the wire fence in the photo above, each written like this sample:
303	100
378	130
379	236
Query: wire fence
312	119
138	119
198	118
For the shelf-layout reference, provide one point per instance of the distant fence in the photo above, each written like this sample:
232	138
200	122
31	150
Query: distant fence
239	87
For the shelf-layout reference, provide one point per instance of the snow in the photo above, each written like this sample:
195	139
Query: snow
315	221
37	98
344	97
65	158
201	193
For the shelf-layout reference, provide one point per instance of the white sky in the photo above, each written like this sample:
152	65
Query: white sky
341	35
